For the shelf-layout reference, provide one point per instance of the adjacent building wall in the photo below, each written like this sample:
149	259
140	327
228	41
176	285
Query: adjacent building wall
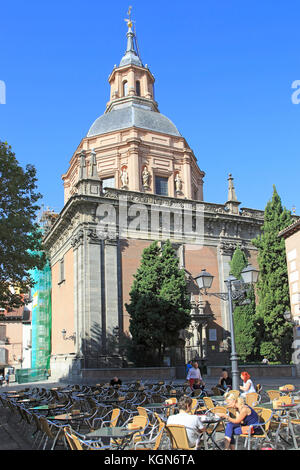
63	305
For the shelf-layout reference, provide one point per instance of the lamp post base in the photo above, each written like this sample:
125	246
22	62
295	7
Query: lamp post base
235	371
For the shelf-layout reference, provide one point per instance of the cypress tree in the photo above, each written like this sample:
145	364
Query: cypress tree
245	327
273	288
238	263
159	305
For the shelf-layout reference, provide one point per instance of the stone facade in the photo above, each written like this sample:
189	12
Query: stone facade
291	236
96	243
99	267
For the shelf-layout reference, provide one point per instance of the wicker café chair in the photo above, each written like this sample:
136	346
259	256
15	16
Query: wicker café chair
273	394
76	441
252	399
266	417
178	437
215	410
152	443
195	405
103	421
208	403
170	408
51	431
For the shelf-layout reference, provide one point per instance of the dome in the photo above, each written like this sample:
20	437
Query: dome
131	58
132	115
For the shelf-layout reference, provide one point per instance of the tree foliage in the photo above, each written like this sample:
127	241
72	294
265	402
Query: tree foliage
245	323
273	288
159	304
20	237
238	263
246	328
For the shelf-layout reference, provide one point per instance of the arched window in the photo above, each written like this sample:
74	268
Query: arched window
138	88
125	88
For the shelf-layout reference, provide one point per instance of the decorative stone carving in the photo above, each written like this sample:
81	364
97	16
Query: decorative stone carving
77	239
228	247
93	236
178	184
124	178
253	213
145	178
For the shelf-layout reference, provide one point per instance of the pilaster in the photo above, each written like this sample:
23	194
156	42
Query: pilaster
111	284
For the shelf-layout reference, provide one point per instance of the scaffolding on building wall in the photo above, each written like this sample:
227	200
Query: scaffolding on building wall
41	317
41	328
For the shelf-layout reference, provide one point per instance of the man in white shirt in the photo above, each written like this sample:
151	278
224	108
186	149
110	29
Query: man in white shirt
193	424
193	374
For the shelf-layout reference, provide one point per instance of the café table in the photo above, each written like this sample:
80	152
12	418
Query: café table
69	417
218	400
172	395
49	407
28	400
110	401
211	423
16	395
120	435
84	395
159	406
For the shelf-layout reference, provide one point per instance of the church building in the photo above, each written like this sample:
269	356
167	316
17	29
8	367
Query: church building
134	179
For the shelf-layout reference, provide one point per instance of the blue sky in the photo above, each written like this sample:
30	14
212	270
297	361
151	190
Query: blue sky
224	72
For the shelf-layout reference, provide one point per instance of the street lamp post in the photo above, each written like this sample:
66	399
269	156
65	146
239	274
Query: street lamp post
249	276
234	356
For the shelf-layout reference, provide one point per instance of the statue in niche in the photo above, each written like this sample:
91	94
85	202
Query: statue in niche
178	183
124	177
145	177
82	165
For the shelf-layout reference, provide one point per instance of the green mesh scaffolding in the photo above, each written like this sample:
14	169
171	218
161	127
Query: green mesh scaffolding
41	328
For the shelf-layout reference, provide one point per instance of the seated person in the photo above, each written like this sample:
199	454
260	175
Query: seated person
248	386
245	416
116	382
198	385
225	382
193	423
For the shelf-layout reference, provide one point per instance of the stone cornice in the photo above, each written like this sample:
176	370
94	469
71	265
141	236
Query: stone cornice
213	213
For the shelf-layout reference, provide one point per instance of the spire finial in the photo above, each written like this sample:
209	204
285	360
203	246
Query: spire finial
93	163
128	20
132	55
82	165
231	190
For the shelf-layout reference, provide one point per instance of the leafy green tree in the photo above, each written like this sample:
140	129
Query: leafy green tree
238	263
245	328
159	305
245	323
273	288
20	237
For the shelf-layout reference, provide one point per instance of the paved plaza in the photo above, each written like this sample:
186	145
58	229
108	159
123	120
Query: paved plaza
12	436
